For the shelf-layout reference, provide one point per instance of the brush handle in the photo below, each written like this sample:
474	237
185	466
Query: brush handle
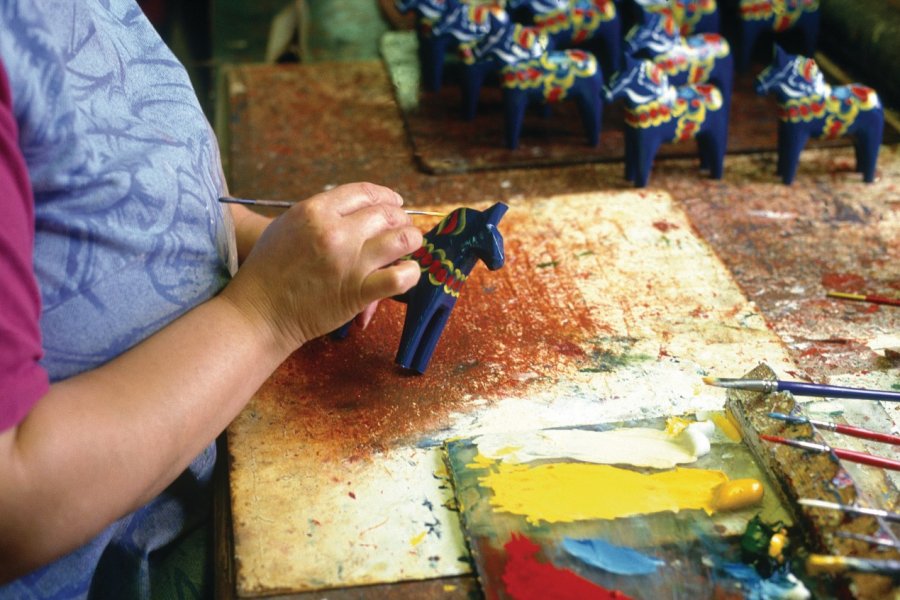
873	298
859	432
867	459
799	388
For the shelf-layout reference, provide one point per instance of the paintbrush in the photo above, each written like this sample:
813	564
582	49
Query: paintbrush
288	204
799	388
874	299
843	453
825	563
870	539
850	430
858	510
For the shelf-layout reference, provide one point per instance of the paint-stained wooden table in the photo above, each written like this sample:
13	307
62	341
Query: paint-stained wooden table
649	291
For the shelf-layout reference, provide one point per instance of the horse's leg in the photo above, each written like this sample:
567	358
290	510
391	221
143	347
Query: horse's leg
749	32
514	104
868	143
795	138
419	313
718	143
611	35
648	143
472	80
810	32
430	336
590	107
432	51
630	153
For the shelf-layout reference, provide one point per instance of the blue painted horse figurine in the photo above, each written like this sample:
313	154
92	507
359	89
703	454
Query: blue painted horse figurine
590	24
466	24
692	16
448	254
657	112
700	58
434	44
530	73
809	107
778	16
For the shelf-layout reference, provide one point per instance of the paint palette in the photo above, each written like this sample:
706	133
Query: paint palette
591	512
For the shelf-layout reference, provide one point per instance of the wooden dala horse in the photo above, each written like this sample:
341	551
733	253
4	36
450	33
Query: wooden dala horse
657	112
435	44
692	16
448	254
809	107
778	16
529	73
590	24
467	24
700	58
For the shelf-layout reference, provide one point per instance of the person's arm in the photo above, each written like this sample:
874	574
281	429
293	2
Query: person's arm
248	227
105	442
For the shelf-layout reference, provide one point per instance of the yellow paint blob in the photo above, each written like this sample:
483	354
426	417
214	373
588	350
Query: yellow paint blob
418	539
566	492
726	423
777	544
823	563
738	493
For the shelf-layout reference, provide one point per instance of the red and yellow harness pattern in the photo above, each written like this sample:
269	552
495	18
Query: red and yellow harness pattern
554	72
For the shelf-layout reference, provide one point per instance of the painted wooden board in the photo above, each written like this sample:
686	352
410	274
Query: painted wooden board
577	500
609	308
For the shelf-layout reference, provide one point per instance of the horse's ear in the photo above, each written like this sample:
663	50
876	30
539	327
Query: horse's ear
495	213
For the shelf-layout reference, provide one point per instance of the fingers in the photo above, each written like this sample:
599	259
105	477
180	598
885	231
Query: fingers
390	281
388	246
371	221
349	198
365	317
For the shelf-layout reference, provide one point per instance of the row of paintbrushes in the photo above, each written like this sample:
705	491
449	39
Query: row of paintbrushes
812	389
825	563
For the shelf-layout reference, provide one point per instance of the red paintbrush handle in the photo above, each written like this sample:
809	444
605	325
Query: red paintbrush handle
868	434
867	459
882	300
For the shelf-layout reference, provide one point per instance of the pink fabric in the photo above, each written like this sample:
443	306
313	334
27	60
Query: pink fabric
22	380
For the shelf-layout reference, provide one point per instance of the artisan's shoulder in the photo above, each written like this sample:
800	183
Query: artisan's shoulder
22	380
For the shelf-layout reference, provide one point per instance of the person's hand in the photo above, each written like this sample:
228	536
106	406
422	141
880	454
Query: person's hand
325	261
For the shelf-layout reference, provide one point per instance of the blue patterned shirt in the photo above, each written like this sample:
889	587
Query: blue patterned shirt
128	231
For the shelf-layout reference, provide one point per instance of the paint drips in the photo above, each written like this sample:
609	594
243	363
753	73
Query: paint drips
568	492
526	578
782	585
609	557
636	446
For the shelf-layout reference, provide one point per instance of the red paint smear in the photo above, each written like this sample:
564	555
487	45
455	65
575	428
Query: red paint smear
843	282
528	579
511	328
664	226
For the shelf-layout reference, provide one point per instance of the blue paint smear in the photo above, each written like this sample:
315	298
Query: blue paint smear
609	557
776	587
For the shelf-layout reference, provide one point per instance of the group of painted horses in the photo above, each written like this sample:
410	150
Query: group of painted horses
672	70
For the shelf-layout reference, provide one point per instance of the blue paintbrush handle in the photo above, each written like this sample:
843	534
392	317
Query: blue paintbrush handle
798	388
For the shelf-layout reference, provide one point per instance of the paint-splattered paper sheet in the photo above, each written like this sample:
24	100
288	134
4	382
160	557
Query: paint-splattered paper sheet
627	508
609	308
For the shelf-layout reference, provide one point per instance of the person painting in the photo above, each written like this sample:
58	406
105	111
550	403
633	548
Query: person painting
129	335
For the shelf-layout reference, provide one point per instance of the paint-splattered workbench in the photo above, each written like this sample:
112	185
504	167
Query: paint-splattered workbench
688	277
